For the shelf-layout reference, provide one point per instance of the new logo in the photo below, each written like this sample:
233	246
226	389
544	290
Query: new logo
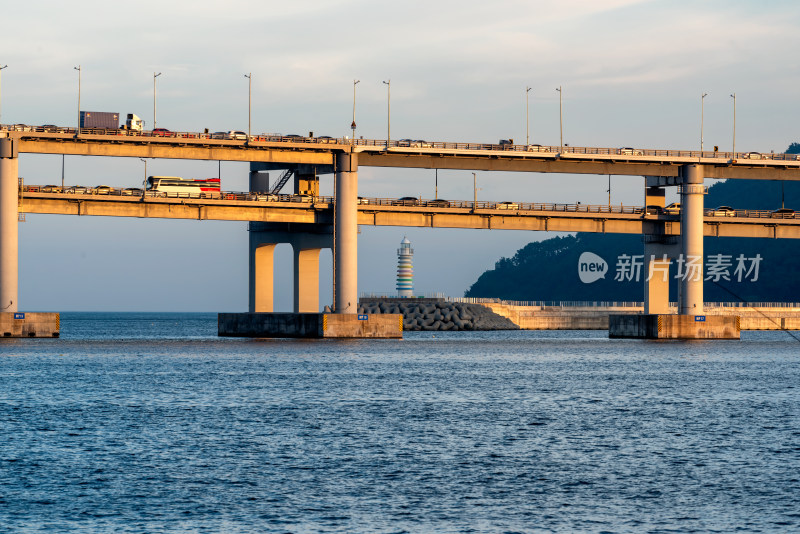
591	267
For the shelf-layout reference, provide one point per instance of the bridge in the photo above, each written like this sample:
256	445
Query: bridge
425	213
332	222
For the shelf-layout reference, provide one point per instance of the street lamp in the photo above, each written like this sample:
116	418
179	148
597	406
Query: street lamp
154	98
734	125
702	110
249	77
561	115
527	118
78	68
388	112
144	182
353	124
1	100
475	191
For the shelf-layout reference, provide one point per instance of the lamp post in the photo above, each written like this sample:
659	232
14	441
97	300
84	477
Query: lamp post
734	125
561	116
702	111
353	124
527	117
475	191
144	182
154	98
1	93
249	77
78	68
388	111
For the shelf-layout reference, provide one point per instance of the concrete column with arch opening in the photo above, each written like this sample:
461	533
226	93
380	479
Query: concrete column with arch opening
306	279
261	271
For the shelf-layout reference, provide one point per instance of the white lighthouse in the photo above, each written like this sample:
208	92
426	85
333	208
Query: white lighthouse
405	269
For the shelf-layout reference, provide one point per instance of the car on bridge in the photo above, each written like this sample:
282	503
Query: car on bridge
51	189
77	189
506	206
405	201
628	151
673	209
438	203
654	210
161	132
753	155
536	148
421	143
783	213
102	190
131	192
326	139
236	135
264	197
722	211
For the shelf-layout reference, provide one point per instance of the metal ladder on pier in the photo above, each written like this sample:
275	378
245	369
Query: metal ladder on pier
282	181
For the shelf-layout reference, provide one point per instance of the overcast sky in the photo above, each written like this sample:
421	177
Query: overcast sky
632	74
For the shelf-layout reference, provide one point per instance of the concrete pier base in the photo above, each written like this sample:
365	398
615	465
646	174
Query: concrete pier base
310	325
662	326
30	324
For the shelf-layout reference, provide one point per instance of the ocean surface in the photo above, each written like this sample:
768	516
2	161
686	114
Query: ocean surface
140	423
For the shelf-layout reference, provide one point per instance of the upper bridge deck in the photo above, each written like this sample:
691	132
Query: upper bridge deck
319	152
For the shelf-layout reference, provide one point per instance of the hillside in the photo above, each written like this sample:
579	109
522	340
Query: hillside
548	270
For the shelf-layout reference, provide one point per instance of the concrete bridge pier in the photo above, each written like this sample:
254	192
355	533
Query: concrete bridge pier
692	191
660	250
690	321
306	241
345	234
9	225
658	255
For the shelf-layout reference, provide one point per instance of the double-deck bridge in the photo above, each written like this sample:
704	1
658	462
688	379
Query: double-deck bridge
311	222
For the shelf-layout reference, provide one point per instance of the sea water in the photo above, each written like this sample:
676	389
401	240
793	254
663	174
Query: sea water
151	423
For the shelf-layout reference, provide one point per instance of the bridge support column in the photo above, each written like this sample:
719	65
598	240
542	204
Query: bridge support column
306	240
9	226
657	253
691	285
345	248
306	280
261	276
657	259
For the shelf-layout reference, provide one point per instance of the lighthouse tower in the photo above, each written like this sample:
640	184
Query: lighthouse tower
405	269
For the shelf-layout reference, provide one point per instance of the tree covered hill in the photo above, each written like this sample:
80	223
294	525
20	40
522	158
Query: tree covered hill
548	270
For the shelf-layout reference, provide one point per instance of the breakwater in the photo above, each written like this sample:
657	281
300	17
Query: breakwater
438	314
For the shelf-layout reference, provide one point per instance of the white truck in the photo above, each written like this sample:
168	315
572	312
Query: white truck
133	122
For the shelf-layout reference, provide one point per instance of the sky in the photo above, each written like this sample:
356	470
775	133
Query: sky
632	74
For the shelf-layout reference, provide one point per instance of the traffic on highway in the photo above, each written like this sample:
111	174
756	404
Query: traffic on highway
237	137
671	212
